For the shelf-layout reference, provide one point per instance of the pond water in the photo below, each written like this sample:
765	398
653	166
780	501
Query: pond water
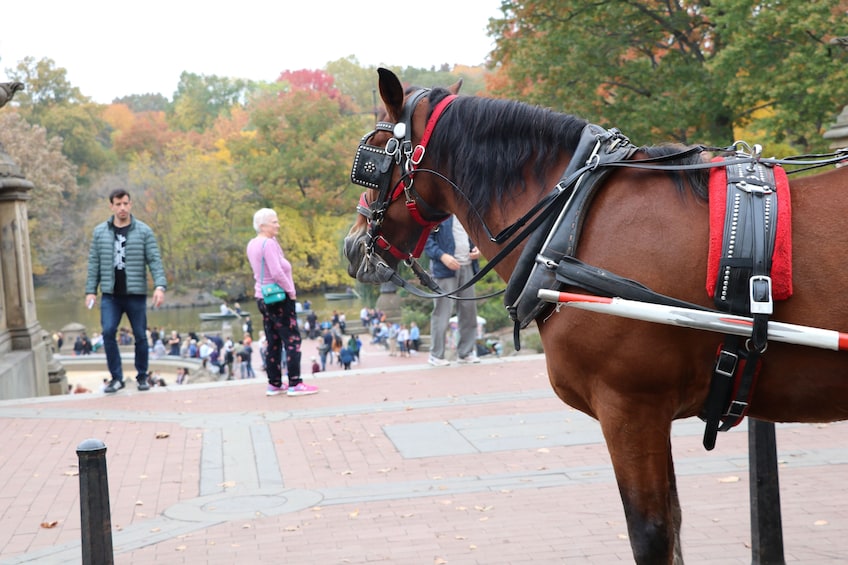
57	307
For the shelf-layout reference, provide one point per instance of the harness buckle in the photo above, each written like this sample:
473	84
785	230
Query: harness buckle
726	364
759	288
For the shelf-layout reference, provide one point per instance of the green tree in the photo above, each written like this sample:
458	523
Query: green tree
682	71
150	102
51	101
46	85
200	99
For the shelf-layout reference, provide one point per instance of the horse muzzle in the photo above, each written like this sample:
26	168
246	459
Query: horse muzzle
364	267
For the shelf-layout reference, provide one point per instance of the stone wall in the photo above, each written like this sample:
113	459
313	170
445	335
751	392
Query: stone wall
26	365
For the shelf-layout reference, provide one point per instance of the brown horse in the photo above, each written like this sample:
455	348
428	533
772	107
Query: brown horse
490	161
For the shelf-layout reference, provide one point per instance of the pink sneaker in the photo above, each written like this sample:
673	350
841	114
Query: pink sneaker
302	389
275	390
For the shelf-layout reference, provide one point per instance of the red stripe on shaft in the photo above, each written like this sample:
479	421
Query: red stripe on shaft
843	341
573	297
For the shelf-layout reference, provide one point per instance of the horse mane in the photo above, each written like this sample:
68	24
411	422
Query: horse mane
486	146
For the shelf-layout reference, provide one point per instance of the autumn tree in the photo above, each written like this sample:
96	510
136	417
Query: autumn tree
54	234
297	160
682	70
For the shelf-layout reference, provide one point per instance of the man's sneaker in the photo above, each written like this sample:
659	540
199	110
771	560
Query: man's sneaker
470	359
275	390
114	386
143	383
438	362
302	389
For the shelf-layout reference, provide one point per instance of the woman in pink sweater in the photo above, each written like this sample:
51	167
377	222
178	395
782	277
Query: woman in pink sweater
279	319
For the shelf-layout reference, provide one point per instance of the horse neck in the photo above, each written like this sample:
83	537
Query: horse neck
504	215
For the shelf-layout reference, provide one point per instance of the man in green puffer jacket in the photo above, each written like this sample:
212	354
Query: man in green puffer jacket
122	249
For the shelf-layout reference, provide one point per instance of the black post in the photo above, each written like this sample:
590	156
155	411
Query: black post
766	525
94	504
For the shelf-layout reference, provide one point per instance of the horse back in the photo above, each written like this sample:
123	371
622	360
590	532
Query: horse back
643	228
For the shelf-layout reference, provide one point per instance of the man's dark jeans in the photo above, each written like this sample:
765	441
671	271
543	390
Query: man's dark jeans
112	308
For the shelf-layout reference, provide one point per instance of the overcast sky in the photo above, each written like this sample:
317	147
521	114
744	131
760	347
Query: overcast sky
111	48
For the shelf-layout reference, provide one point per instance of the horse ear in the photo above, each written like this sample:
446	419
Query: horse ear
454	88
391	91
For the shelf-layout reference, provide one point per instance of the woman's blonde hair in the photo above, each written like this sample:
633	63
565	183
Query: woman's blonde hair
261	217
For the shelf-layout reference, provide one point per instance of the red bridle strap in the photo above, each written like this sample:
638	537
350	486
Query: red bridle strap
421	148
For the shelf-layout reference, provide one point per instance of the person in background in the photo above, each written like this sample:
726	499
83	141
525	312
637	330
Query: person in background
325	348
159	350
354	343
279	319
245	359
174	343
345	358
228	352
453	261
122	249
414	338
403	341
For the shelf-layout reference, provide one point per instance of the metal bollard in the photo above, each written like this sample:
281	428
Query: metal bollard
96	519
766	524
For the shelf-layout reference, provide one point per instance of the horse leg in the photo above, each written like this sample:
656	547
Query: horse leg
644	470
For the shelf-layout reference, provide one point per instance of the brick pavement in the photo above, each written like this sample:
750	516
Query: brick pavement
393	462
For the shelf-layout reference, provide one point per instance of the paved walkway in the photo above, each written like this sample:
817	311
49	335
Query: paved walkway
393	462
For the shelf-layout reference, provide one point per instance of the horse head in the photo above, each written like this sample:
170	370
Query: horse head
398	210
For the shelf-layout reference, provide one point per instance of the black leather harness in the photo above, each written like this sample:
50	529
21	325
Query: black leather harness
743	287
557	238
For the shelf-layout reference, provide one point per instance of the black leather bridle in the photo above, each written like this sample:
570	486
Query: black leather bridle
373	167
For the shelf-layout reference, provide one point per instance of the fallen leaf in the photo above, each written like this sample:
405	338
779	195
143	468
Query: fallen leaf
180	548
71	473
291	528
154	530
139	503
543	450
48	525
246	526
472	546
354	514
162	435
439	561
347	472
227	484
820	523
730	479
